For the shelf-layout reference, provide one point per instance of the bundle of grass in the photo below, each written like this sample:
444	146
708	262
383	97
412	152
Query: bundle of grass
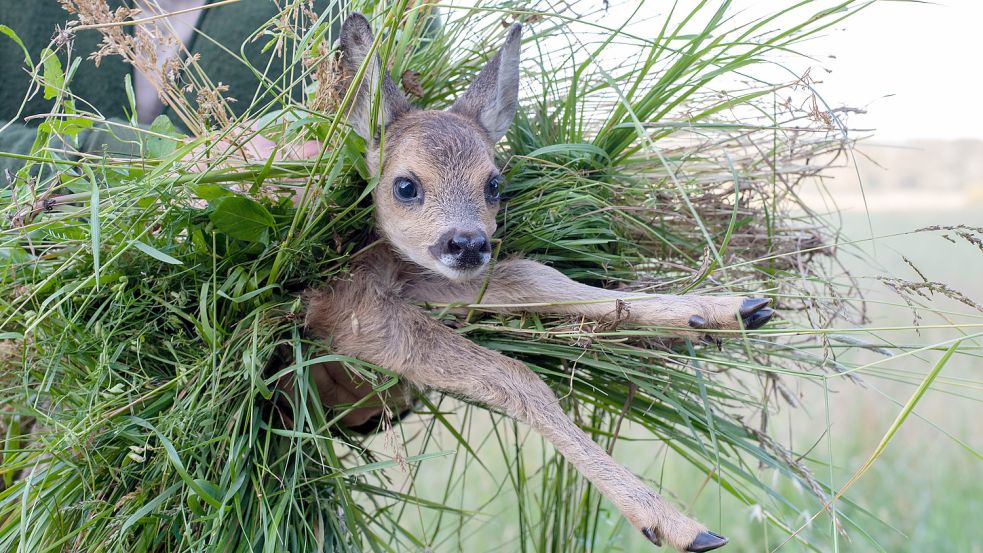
149	305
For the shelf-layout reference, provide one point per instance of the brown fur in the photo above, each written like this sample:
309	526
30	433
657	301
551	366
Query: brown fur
367	316
372	314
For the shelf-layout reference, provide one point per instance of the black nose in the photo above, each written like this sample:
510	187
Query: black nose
463	249
464	243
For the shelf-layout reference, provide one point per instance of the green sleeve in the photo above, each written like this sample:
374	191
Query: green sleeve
16	139
114	139
118	139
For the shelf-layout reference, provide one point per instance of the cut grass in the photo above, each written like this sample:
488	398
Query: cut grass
144	332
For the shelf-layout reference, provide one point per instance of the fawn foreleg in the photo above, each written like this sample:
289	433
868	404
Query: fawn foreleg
367	317
525	285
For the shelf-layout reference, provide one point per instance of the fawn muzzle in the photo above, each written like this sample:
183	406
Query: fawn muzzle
463	251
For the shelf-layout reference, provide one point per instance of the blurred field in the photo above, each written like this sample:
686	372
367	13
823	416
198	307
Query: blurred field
926	486
924	494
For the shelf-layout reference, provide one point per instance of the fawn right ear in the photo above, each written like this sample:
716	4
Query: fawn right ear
493	96
356	44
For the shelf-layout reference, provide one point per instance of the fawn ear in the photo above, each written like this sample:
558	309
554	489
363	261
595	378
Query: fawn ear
355	45
493	97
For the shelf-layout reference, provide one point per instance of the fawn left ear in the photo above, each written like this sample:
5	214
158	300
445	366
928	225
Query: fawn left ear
493	96
356	45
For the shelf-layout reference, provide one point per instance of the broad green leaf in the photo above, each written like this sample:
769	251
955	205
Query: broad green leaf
211	192
54	74
158	147
10	255
242	218
66	126
13	36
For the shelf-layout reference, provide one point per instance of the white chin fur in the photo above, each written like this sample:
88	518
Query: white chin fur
457	275
443	266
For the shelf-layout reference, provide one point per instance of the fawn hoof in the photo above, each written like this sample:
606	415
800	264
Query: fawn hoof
753	305
755	313
707	541
652	536
758	319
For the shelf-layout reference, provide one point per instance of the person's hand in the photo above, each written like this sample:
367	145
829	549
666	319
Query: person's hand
248	145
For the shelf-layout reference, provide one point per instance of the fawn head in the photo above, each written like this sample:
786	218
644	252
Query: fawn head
438	190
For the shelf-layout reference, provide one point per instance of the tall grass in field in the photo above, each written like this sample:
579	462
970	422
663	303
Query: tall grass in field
148	305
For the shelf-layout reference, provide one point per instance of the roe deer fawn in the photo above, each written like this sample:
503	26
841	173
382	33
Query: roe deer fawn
435	204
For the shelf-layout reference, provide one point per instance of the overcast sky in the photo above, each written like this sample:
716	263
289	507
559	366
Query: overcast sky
917	68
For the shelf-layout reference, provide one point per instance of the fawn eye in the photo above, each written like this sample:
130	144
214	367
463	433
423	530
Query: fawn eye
493	190
405	190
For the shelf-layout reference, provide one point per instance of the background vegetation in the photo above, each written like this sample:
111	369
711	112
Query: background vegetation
147	309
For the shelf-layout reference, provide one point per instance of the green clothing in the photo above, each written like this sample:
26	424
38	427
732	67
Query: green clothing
34	21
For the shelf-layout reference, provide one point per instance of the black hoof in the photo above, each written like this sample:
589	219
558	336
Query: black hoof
652	536
752	305
758	319
754	313
707	541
